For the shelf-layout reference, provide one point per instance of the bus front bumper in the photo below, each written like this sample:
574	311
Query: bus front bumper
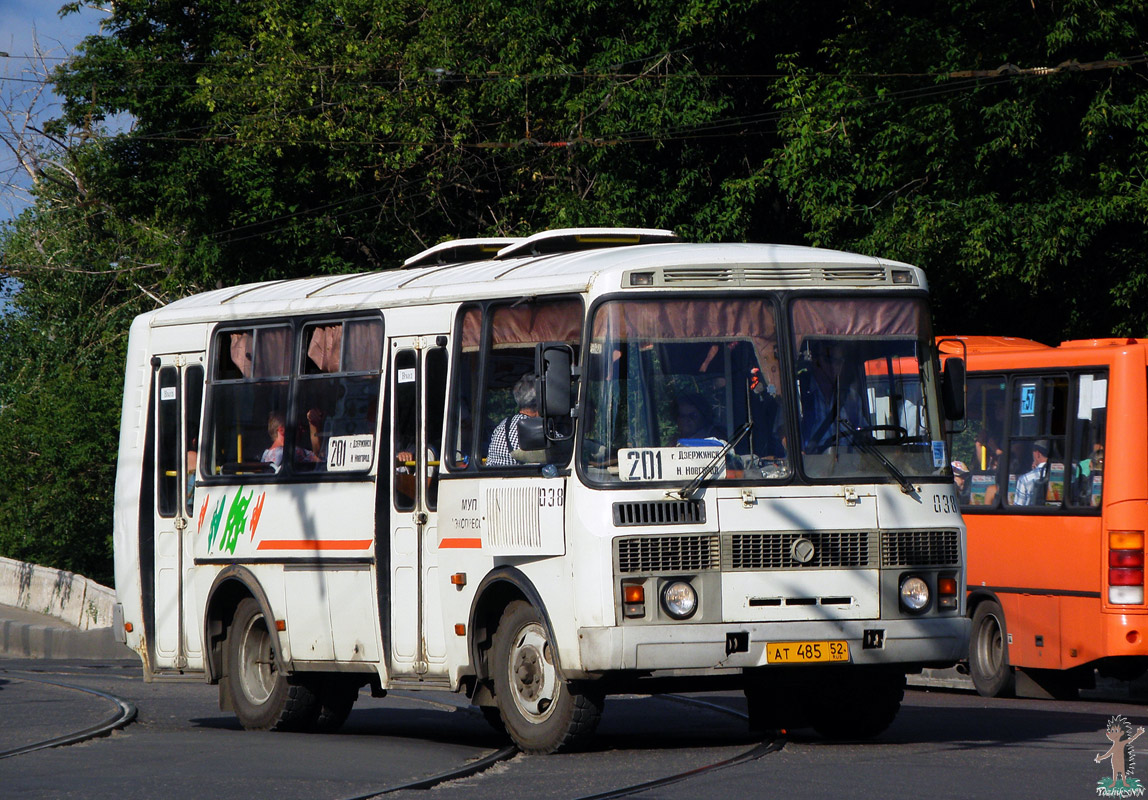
717	646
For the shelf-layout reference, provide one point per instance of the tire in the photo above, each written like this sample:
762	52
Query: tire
493	718
862	703
336	695
988	652
541	711
775	707
262	696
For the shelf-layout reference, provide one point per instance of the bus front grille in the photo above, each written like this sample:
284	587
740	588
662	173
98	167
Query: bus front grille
659	512
920	549
817	550
668	553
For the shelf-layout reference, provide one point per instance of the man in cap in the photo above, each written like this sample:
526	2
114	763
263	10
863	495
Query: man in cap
1031	486
961	479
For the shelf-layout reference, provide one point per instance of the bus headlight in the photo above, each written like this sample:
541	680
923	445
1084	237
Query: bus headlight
679	599
914	594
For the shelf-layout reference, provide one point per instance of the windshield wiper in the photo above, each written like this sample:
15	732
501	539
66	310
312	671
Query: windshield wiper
869	447
691	487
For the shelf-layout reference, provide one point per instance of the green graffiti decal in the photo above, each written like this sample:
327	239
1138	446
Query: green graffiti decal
216	516
236	521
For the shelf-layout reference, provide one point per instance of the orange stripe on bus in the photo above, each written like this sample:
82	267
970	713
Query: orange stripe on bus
461	544
313	544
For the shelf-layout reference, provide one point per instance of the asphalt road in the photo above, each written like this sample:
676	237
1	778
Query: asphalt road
943	744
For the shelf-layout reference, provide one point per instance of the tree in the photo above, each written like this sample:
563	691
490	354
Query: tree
1007	158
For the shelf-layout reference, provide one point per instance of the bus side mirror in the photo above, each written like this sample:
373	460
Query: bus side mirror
953	388
555	366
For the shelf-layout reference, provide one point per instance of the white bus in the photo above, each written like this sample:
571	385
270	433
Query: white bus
544	470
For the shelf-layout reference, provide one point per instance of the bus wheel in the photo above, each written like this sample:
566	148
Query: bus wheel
988	654
541	711
859	704
336	695
262	696
774	707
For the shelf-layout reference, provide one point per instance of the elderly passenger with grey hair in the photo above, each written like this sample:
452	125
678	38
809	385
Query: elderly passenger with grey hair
504	440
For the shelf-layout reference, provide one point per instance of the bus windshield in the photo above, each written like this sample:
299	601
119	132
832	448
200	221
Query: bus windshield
671	382
866	388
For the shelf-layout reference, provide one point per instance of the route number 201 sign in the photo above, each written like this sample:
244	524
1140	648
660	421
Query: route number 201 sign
666	463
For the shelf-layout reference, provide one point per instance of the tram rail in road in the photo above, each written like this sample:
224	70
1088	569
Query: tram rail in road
124	713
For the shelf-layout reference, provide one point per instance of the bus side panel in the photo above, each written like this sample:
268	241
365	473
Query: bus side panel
129	475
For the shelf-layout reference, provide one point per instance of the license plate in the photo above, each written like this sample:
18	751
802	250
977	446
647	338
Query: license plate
805	652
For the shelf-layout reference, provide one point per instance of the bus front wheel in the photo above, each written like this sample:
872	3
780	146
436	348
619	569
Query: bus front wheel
262	696
541	711
988	652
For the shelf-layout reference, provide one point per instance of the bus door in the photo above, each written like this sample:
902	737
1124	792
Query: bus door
178	393
417	388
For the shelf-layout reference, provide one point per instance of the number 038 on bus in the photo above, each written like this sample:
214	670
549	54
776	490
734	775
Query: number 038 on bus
542	471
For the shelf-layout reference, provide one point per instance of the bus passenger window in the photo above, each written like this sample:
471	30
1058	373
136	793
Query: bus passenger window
979	448
337	395
1089	426
460	448
249	384
509	428
1036	457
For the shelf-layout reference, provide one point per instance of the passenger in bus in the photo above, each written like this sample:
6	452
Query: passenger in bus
505	439
273	455
828	397
695	423
1031	486
961	480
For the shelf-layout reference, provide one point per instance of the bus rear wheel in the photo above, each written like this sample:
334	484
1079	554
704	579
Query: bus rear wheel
988	652
262	696
335	694
541	711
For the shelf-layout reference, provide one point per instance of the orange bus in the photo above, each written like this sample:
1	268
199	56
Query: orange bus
1052	472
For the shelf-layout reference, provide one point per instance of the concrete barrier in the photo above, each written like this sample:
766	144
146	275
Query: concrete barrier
69	597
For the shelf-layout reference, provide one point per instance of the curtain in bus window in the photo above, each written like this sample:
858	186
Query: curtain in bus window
690	319
272	352
364	351
325	347
527	323
858	317
241	355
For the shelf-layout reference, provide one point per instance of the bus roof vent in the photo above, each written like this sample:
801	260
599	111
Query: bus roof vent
774	274
569	240
460	250
855	275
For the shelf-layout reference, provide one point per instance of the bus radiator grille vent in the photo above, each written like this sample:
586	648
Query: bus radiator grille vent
513	517
920	549
660	512
755	551
668	554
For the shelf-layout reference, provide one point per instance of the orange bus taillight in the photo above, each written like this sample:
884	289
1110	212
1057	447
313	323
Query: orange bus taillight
1126	567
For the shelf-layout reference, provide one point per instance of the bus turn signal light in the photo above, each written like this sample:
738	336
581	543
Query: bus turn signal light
946	592
1126	567
1126	540
634	600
